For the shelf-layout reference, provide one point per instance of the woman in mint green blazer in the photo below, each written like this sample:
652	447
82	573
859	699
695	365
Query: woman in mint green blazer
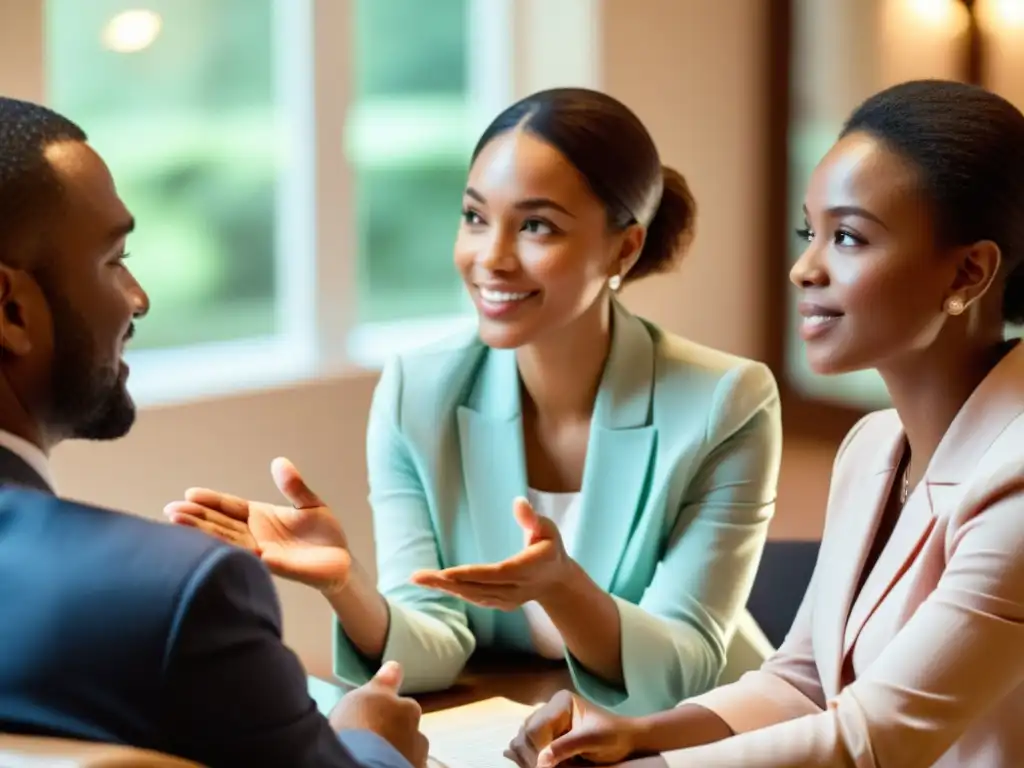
569	479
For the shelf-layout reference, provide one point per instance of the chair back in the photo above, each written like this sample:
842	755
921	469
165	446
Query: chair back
45	752
780	584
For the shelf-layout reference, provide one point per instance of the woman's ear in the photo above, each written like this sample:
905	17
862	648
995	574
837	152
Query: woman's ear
978	268
15	338
631	245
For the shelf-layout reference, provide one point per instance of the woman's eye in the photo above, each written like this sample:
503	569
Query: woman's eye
848	239
471	217
804	233
538	227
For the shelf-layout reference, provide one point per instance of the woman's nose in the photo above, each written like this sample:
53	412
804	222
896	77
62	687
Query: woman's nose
808	271
499	253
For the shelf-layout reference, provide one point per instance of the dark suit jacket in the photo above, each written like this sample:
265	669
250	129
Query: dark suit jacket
121	630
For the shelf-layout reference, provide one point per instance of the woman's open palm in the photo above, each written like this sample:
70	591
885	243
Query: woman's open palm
302	542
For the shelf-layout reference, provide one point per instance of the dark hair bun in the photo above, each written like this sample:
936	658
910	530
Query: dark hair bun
613	151
671	230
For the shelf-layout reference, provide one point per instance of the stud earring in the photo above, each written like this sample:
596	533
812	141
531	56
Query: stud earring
955	305
615	282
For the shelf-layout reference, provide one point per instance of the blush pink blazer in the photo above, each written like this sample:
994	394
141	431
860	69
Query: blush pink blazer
926	666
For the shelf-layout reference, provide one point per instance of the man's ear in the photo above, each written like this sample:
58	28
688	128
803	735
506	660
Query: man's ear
14	331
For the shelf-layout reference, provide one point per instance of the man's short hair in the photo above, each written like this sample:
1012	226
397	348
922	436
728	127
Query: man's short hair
28	186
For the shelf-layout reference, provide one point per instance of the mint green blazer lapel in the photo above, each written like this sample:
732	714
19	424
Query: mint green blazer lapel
619	452
493	464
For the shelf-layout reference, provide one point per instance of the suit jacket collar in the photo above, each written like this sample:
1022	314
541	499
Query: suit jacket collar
990	409
619	451
994	404
15	469
625	392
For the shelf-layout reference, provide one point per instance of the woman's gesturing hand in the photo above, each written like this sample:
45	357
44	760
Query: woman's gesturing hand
532	574
568	729
303	541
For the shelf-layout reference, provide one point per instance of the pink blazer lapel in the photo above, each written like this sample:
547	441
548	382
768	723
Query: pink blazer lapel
856	501
991	407
914	524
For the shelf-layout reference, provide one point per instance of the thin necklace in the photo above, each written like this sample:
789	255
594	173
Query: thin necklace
905	490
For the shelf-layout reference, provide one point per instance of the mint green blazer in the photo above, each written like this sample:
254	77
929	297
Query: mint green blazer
678	490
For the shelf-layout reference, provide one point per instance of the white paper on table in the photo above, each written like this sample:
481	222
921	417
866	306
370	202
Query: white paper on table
475	735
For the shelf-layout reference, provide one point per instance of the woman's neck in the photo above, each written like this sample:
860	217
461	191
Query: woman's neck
929	391
561	373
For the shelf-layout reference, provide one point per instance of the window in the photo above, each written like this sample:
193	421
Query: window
191	103
881	44
295	166
179	99
408	140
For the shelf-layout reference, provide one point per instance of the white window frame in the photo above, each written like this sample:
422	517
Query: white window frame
490	65
516	46
161	376
197	371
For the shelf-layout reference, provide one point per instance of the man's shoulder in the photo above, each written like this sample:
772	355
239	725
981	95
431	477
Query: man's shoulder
102	521
149	556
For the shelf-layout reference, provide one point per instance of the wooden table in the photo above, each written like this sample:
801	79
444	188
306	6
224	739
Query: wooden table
523	679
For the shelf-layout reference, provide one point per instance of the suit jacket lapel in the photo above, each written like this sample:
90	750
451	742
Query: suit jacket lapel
619	452
914	524
991	407
493	466
861	502
14	469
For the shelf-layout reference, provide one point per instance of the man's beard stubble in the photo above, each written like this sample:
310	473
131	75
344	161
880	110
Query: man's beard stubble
88	401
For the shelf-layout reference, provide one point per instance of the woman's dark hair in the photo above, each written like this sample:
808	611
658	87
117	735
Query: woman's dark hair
968	146
613	151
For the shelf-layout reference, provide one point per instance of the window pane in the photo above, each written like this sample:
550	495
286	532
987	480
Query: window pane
408	140
843	52
179	100
830	75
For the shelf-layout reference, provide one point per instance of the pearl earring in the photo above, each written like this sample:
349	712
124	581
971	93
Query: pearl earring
615	282
955	305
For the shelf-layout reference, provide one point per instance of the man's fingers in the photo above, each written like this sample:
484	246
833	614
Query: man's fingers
389	675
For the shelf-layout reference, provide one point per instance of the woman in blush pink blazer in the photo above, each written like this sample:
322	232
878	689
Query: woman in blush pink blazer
909	647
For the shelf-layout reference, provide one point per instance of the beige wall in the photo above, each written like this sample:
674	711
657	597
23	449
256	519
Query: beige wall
16	47
228	444
693	71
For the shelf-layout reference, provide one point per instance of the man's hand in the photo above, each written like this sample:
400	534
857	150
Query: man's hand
377	707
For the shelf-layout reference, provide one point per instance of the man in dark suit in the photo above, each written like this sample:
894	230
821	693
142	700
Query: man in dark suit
114	628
